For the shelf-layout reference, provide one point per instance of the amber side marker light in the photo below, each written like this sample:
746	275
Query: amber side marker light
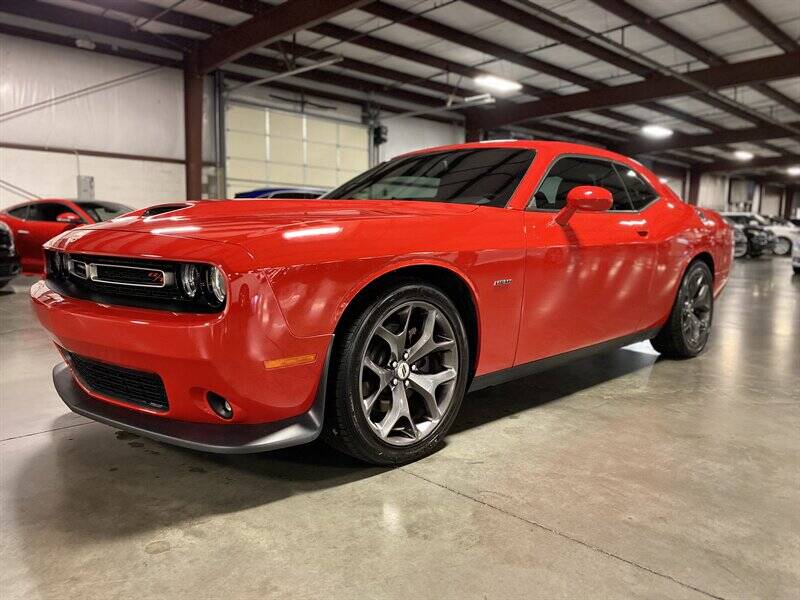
292	361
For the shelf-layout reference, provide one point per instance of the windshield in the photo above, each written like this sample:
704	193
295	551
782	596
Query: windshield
103	211
485	176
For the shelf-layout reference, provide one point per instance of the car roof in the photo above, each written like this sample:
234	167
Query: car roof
541	145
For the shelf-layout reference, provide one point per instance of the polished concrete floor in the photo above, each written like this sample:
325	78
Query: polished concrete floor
617	476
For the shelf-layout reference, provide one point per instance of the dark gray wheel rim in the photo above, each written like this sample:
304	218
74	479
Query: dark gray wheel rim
696	310
408	374
782	246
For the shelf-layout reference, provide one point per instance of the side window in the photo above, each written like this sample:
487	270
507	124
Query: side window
572	171
47	211
639	190
21	212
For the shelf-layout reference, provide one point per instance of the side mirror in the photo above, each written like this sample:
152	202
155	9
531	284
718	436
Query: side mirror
70	218
584	197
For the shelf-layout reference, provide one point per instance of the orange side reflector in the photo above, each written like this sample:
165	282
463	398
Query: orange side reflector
292	361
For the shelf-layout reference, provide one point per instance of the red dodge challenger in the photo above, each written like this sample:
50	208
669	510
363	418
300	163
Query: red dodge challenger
367	315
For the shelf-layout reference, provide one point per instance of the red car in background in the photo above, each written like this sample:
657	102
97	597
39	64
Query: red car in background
33	223
366	315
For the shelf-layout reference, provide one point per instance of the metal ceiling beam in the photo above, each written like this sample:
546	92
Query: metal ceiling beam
59	15
732	166
655	87
541	26
678	140
143	9
268	27
753	17
458	36
654	27
274	65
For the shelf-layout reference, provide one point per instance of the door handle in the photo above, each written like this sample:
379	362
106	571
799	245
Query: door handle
642	232
23	231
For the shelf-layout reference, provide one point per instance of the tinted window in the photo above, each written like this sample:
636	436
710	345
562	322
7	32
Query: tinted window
638	189
572	171
47	211
103	211
21	212
485	176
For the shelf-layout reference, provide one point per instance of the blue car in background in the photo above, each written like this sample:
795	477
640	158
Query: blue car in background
276	192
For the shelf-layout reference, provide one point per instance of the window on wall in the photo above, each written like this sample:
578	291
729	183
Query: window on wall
267	147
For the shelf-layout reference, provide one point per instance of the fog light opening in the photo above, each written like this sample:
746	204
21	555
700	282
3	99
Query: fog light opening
219	405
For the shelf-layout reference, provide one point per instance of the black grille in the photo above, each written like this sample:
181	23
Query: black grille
120	383
140	286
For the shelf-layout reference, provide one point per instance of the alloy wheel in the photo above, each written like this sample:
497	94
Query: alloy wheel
696	312
409	371
782	246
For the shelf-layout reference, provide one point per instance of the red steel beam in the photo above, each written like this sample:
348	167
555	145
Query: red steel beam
679	141
267	27
654	27
731	166
653	88
753	17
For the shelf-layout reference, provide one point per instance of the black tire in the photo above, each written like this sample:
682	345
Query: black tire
796	270
346	427
673	340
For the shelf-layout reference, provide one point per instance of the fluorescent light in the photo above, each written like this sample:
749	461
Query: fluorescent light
497	84
656	131
793	171
743	155
663	179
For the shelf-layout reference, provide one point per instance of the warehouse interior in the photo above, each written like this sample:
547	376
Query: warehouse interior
620	475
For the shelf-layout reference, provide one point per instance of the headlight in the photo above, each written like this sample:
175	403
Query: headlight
216	283
190	279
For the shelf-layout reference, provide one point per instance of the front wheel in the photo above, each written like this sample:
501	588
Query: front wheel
685	333
402	373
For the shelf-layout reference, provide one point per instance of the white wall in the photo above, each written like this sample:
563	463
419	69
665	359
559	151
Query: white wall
137	183
405	134
140	117
713	192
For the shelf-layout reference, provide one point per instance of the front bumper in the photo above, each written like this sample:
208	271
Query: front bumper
207	437
229	354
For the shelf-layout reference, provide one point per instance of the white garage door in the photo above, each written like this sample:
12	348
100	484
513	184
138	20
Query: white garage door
267	147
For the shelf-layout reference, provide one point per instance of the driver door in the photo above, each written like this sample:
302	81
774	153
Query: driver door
585	282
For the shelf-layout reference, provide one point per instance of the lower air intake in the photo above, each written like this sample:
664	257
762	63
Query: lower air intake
120	383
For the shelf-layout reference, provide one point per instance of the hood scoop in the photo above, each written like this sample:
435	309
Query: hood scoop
163	208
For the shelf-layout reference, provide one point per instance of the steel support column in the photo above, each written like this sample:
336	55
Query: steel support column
193	127
694	187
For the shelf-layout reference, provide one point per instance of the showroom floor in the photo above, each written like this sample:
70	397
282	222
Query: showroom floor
618	476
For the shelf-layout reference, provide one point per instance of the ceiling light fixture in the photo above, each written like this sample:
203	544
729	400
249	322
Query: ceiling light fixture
794	171
743	155
663	179
498	84
657	132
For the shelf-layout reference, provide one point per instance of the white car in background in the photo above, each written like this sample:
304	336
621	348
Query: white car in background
787	233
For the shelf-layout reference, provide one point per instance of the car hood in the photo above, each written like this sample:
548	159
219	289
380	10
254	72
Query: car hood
245	221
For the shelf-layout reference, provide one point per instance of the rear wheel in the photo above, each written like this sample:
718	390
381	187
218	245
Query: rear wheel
685	333
401	376
783	246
